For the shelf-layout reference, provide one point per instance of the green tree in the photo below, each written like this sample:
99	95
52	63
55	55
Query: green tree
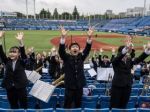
66	15
75	13
55	14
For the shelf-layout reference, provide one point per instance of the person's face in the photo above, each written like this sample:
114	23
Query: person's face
127	56
105	59
38	56
14	54
74	50
56	58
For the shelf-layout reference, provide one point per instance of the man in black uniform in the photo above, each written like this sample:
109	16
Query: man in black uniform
15	80
73	69
123	79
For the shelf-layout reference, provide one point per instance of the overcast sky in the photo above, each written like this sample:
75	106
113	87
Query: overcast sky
84	6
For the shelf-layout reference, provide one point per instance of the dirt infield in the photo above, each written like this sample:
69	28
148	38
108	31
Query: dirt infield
81	39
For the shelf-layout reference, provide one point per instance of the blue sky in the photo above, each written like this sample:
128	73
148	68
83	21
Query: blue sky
84	6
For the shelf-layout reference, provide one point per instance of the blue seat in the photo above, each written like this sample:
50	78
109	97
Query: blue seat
146	93
61	100
68	110
98	91
132	102
96	110
32	102
56	91
40	110
143	110
137	86
12	110
143	99
4	102
104	101
2	91
51	104
123	110
134	92
62	91
89	101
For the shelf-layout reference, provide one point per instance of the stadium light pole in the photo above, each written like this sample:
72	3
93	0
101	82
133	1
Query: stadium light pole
34	10
144	10
27	9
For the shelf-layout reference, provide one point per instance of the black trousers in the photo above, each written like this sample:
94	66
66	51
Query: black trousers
73	98
120	96
17	98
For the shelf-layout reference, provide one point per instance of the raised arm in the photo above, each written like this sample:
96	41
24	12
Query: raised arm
87	49
100	56
113	54
144	55
2	54
62	48
20	37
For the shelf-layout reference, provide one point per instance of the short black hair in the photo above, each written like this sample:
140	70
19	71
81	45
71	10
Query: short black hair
105	56
15	47
74	43
120	48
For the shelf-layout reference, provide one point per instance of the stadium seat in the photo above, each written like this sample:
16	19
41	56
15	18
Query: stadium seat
98	91
2	91
143	110
104	101
137	86
61	100
68	110
56	91
40	110
89	101
143	99
4	102
51	104
96	110
12	110
62	91
132	102
134	92
33	102
123	110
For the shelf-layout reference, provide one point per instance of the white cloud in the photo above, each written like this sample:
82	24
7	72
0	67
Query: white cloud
84	6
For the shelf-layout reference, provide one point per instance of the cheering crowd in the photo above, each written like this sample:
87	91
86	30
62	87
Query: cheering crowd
70	61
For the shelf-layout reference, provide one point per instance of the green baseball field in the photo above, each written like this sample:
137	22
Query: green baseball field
45	40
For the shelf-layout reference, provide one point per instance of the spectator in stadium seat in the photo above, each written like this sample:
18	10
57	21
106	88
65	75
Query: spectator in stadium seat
38	62
122	80
73	69
30	59
104	60
15	80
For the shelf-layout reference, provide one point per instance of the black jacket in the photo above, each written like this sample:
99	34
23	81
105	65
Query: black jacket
122	71
103	64
17	77
73	67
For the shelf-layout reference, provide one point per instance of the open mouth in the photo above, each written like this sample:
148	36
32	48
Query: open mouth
75	52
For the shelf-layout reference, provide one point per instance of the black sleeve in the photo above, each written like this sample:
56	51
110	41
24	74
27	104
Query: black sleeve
86	51
62	52
3	55
100	59
140	58
23	54
112	57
